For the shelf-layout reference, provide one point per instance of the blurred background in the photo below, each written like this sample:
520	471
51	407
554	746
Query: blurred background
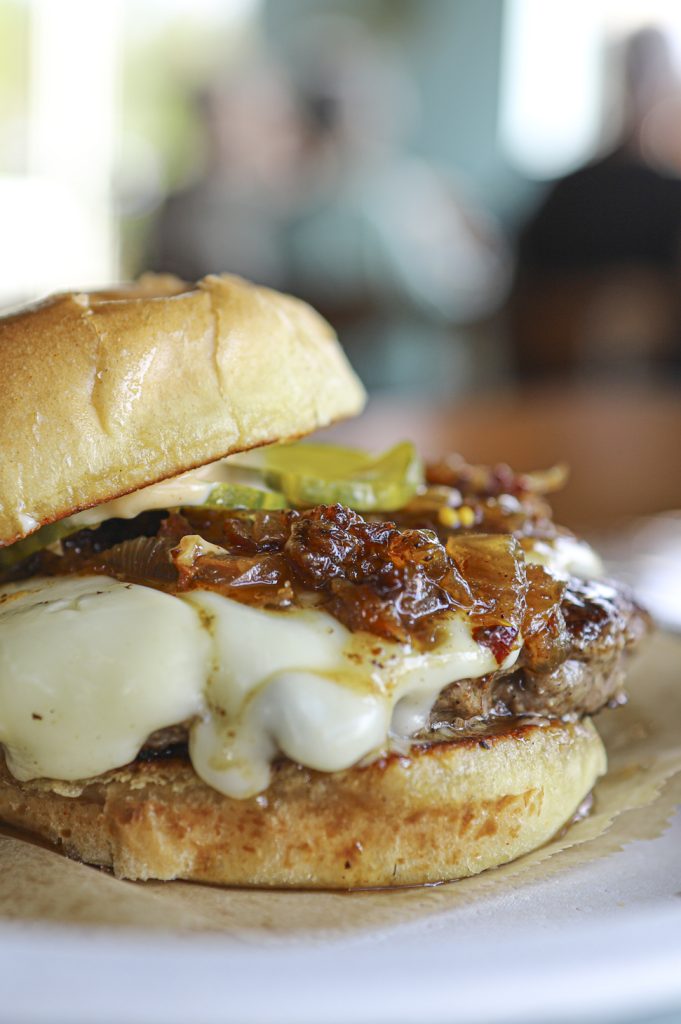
483	196
471	190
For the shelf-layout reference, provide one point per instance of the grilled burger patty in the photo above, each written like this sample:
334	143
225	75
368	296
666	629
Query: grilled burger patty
602	622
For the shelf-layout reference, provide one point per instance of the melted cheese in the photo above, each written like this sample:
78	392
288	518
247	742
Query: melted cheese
299	682
89	667
564	557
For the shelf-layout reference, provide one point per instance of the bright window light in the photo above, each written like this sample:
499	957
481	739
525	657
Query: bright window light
553	75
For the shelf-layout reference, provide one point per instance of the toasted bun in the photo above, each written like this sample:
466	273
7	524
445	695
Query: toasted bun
106	392
446	811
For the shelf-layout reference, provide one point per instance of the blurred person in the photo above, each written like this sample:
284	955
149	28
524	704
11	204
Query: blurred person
598	262
307	187
384	245
230	217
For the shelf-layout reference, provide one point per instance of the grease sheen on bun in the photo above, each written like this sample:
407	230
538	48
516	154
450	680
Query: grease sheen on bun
445	811
106	392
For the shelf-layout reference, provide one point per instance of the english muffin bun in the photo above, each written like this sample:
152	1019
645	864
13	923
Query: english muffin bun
444	811
105	392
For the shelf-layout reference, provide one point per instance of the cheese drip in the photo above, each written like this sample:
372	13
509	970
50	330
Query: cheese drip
89	667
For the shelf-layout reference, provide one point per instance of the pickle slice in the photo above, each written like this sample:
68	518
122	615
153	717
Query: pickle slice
323	474
42	538
242	496
221	496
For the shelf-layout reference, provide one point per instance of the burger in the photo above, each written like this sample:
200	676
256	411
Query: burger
230	656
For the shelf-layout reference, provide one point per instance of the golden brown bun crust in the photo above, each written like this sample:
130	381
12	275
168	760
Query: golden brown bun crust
103	393
446	811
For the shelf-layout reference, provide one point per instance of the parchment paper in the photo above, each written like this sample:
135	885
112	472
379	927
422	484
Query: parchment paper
634	801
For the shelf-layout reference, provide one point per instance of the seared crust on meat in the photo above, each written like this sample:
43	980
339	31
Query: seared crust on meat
107	392
446	811
602	623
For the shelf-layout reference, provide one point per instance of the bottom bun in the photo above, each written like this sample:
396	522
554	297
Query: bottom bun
445	811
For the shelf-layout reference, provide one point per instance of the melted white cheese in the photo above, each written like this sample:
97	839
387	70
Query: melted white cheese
564	557
301	683
89	667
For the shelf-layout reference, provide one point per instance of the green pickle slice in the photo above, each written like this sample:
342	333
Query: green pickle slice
242	496
42	538
323	474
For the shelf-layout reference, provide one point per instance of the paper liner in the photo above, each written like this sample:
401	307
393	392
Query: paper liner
634	801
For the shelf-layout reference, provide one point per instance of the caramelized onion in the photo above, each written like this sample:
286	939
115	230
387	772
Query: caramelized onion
144	559
370	575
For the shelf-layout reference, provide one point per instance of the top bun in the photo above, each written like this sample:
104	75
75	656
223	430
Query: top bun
106	392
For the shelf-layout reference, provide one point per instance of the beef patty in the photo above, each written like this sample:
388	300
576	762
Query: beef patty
602	623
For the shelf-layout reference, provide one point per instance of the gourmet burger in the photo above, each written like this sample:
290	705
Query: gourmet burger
294	666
